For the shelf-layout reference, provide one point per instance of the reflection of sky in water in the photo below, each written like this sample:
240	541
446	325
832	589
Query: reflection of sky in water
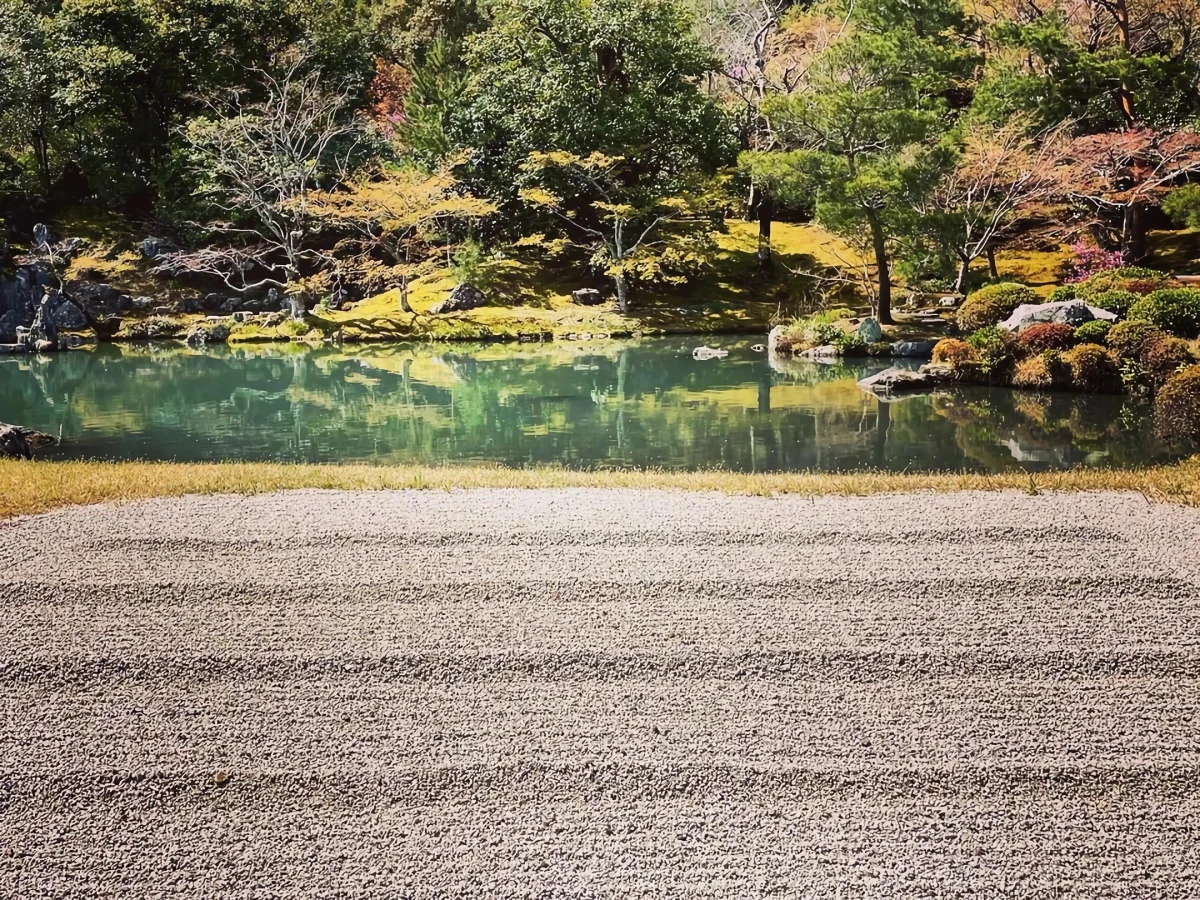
590	405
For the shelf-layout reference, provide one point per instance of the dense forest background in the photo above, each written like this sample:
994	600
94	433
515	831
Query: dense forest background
308	145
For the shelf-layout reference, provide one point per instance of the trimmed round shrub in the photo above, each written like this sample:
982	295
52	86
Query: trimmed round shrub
1064	292
953	352
993	304
1035	372
1047	336
1162	356
994	348
1093	332
1128	338
1177	408
1176	311
1134	279
1092	369
1114	301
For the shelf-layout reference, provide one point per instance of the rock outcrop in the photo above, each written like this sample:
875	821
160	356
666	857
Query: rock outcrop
19	443
462	298
1067	312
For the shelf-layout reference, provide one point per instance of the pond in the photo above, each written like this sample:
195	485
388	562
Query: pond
582	405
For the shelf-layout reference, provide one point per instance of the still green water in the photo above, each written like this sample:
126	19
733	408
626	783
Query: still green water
584	405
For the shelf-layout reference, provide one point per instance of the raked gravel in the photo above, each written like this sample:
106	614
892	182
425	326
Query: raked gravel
586	693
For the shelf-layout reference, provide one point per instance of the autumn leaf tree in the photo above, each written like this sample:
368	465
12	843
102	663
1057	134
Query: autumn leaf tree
387	216
618	223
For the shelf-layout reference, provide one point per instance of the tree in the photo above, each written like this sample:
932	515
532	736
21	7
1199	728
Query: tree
618	222
1002	173
29	116
262	164
1117	176
865	125
388	214
615	77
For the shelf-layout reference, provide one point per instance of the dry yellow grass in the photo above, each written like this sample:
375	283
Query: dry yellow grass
35	487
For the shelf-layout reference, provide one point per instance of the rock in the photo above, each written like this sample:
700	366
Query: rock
19	443
44	346
154	247
776	343
9	349
1069	312
825	351
231	304
462	298
895	380
212	301
709	353
759	348
8	327
914	349
190	305
141	303
208	333
587	297
242	317
69	317
869	332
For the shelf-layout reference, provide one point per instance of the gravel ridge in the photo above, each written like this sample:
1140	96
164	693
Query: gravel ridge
602	694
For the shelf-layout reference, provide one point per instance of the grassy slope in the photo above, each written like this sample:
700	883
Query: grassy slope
27	488
532	298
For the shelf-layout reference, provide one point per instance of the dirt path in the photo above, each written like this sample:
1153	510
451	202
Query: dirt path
602	694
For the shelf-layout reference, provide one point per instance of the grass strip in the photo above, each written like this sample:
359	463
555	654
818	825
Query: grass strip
40	486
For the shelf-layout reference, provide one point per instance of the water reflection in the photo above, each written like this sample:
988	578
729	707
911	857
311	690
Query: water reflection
644	404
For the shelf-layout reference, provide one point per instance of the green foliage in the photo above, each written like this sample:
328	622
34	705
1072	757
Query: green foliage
1037	339
1092	369
1162	357
1128	339
437	87
467	266
1094	332
1038	372
1136	280
1063	293
1176	311
1183	205
1177	408
1115	301
994	349
618	77
953	352
993	304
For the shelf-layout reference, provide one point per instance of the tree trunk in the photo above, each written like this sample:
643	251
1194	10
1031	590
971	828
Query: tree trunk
404	305
766	212
1120	11
960	282
622	292
881	262
1134	229
992	269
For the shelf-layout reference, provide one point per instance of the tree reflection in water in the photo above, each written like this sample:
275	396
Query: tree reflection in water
591	405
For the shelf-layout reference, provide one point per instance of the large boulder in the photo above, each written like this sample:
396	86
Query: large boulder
8	327
1066	312
154	247
895	380
69	317
462	298
19	443
208	333
587	297
914	349
869	332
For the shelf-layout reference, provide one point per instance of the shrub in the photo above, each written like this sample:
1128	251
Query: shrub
1035	372
993	304
1093	332
1176	310
1064	292
1115	301
1047	336
1088	259
1128	338
953	352
1091	368
1177	408
994	348
1162	356
1120	278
